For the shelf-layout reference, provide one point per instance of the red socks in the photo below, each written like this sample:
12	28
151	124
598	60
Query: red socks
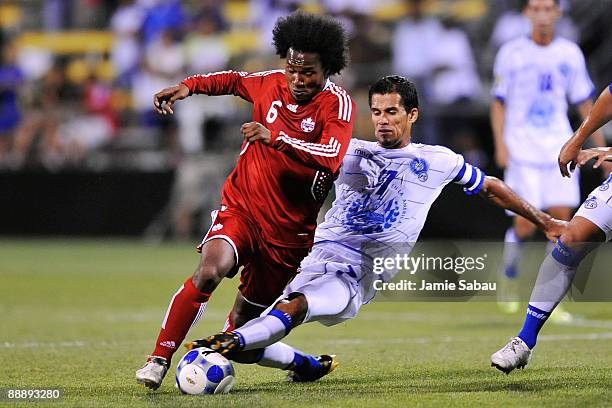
185	309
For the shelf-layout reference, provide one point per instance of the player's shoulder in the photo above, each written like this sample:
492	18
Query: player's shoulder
567	46
338	99
272	73
437	150
442	156
362	147
510	48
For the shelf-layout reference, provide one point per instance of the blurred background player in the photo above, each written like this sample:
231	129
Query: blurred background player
591	226
383	195
535	77
301	128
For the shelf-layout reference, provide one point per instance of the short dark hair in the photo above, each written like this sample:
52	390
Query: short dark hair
396	83
309	33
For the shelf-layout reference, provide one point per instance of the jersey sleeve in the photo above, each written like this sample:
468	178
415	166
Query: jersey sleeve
470	177
327	153
501	75
241	84
580	86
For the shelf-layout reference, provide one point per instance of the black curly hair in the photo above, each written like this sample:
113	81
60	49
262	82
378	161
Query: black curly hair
396	83
310	33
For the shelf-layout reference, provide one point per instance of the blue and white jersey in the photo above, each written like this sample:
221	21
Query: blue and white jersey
535	83
382	200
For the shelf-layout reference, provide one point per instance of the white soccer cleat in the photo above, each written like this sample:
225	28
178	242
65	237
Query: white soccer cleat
153	372
513	355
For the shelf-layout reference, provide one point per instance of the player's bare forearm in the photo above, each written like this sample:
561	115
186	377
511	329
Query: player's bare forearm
498	192
594	118
597	136
497	125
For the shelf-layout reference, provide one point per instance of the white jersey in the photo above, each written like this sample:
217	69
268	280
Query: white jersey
535	83
382	200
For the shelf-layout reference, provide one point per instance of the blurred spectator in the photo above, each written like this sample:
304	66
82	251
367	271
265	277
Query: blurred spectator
93	127
161	16
264	14
163	66
513	24
205	51
365	7
11	81
455	78
125	54
51	101
414	42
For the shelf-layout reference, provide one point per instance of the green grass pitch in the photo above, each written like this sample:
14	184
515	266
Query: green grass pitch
82	315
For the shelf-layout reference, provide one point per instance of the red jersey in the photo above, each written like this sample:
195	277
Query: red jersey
282	186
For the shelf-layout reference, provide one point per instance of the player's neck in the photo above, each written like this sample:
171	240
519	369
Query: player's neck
542	39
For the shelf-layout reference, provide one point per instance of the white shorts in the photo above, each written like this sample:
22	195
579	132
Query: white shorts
333	296
597	208
543	187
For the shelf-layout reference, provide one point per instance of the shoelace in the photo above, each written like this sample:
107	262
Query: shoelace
512	344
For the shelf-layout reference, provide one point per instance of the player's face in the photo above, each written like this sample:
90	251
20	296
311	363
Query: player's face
392	124
304	75
543	15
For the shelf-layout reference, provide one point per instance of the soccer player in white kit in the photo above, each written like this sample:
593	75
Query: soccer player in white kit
535	78
383	194
591	225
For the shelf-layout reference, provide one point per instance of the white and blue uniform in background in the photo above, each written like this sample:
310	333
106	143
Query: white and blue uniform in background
535	83
382	200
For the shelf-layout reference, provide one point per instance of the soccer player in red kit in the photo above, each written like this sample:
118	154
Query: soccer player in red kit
292	150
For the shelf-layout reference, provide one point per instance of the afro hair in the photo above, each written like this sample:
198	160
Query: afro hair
310	33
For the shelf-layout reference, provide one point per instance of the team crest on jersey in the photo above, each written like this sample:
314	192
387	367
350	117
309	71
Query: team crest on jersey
564	69
419	167
368	216
292	108
606	184
591	203
308	125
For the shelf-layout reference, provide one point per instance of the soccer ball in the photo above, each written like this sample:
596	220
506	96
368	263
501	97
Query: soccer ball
203	371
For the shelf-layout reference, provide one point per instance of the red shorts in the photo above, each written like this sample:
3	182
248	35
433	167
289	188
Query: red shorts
267	268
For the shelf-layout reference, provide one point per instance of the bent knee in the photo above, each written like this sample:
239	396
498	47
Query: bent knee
296	306
580	230
207	277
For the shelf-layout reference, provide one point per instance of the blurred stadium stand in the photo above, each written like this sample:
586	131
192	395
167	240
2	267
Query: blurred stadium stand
81	148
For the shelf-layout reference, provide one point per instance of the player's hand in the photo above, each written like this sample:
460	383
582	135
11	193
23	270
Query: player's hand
501	156
164	99
600	154
554	228
252	131
568	155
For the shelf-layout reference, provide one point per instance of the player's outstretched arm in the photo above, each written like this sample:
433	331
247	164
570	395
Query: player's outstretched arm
500	194
164	99
599	115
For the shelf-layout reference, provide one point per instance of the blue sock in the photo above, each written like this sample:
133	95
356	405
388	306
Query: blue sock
534	321
513	253
304	364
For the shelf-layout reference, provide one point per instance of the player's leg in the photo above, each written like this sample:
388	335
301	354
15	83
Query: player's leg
219	259
185	309
305	300
242	311
554	279
560	315
525	181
